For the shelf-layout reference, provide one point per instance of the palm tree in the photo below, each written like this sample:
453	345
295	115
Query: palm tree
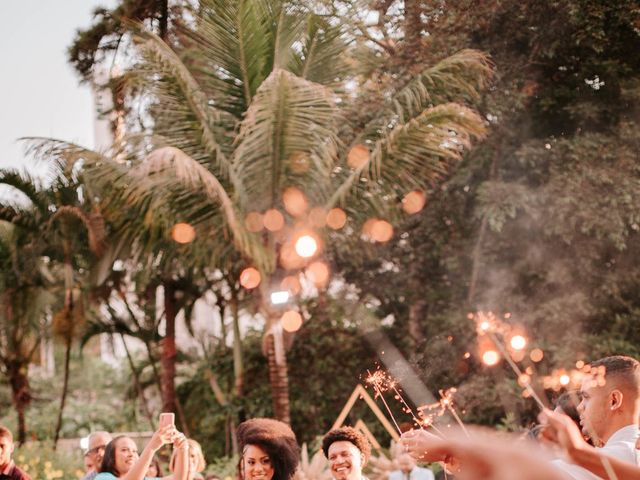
60	227
253	100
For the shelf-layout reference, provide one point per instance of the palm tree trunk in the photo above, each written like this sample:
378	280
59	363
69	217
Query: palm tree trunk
168	353
136	381
238	365
279	380
20	394
65	389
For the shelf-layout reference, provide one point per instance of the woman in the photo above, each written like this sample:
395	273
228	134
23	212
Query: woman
269	450
121	459
196	460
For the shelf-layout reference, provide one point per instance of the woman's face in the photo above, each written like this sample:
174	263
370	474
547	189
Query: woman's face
194	458
256	464
126	455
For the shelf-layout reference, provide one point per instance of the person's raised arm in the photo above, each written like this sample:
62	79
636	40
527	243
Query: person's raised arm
161	437
560	429
181	469
424	446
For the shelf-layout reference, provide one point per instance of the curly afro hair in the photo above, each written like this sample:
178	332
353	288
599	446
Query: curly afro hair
347	434
276	439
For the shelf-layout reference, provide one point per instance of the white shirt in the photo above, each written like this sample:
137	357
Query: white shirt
416	474
621	445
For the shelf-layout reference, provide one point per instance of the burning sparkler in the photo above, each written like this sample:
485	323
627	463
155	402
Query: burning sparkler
445	404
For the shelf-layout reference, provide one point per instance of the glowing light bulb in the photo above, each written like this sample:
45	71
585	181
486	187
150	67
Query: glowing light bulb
490	358
518	342
564	379
306	246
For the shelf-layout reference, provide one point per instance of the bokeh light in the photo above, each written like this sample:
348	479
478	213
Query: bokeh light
250	278
289	259
536	355
183	233
254	222
291	321
413	202
306	246
273	220
336	218
490	358
318	272
518	342
358	156
294	201
564	379
382	231
291	283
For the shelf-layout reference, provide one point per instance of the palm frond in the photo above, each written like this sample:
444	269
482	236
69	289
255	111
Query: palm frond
167	165
94	224
26	185
460	77
323	53
289	116
232	46
183	107
420	152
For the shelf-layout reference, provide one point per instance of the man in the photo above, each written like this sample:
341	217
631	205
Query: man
8	469
97	443
409	470
609	412
347	451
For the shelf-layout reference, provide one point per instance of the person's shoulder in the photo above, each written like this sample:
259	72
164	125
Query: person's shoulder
19	474
104	476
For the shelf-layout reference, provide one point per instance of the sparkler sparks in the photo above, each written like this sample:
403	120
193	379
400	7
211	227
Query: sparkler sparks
445	404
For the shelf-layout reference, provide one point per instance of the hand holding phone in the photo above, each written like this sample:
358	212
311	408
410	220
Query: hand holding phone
167	419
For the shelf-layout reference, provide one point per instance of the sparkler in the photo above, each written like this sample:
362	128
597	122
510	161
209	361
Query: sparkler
488	324
380	382
383	382
445	404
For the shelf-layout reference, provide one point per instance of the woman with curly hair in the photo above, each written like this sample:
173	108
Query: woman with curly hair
269	450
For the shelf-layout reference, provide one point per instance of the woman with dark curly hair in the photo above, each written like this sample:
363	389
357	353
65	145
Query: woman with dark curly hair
269	450
348	451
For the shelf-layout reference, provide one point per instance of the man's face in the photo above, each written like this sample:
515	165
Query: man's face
345	460
594	409
97	444
6	449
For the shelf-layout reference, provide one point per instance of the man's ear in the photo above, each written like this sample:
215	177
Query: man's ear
615	399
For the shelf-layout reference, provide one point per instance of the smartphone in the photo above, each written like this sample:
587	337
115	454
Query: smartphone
167	419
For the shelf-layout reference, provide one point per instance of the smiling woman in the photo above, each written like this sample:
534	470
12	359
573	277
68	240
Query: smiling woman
121	459
269	450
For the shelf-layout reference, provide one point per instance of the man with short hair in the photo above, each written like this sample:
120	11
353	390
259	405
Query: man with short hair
8	469
609	411
97	443
409	470
347	451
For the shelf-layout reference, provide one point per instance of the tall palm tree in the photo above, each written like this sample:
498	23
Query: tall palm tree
253	99
59	227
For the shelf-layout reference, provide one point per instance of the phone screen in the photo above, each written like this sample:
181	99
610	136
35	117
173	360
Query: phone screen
166	419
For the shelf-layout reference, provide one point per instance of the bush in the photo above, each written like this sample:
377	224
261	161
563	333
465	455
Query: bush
39	460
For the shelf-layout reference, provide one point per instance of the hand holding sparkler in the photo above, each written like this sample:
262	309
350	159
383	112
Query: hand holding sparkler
424	446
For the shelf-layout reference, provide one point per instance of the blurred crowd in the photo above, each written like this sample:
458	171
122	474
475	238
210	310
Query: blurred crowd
591	434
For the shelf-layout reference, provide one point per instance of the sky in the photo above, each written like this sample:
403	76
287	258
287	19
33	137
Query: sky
40	94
